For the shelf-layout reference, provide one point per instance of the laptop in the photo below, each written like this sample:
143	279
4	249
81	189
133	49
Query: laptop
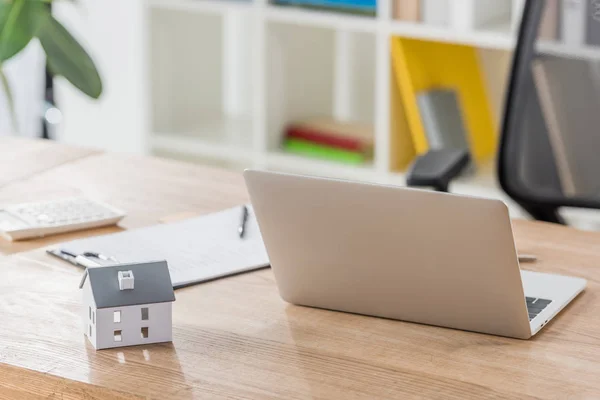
406	254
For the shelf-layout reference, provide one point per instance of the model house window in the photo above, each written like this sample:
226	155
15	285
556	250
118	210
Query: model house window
93	317
144	313
145	333
117	317
90	308
90	331
118	336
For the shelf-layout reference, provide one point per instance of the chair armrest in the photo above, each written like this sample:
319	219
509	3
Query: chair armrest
437	168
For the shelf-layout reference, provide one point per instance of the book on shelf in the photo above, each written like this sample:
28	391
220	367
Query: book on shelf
330	139
572	22
442	119
407	10
569	97
367	7
347	136
314	150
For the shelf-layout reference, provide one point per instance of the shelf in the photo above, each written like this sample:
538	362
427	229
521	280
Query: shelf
495	36
281	64
209	6
322	19
560	49
223	139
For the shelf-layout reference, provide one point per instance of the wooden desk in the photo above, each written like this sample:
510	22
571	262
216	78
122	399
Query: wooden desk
147	188
235	338
23	158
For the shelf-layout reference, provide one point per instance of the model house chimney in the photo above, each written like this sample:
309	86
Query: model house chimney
126	280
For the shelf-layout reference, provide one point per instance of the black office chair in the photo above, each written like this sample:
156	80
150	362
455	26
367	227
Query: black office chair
538	171
544	163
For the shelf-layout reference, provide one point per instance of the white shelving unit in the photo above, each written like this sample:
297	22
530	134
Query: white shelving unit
288	64
216	80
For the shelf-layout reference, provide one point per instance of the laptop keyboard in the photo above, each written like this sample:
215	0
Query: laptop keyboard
535	306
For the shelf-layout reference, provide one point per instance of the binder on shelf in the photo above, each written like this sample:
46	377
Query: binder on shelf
572	22
592	28
417	68
407	10
402	148
441	115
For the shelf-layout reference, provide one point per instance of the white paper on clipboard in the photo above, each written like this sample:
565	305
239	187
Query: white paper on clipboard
196	250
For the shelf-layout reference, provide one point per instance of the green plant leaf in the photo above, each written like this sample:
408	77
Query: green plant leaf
18	21
66	57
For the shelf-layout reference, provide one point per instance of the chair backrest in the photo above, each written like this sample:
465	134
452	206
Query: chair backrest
548	155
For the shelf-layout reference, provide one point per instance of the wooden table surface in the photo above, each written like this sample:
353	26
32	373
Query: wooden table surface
22	158
149	189
235	338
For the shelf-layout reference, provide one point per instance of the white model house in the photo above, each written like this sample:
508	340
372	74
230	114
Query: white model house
127	305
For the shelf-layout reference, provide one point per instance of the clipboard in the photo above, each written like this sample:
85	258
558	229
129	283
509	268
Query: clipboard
197	250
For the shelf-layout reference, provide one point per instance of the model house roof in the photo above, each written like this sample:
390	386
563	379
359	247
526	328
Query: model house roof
152	284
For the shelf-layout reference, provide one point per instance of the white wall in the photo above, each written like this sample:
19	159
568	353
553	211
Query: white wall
113	33
159	323
25	73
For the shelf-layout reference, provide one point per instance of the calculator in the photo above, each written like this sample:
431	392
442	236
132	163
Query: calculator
31	220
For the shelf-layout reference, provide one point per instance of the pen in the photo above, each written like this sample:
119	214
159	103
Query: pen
99	256
77	259
85	259
242	227
67	253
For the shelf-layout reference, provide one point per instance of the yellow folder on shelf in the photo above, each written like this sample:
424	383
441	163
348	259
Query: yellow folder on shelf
402	149
422	65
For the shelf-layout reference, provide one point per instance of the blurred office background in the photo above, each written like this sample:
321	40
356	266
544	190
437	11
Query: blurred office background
340	88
